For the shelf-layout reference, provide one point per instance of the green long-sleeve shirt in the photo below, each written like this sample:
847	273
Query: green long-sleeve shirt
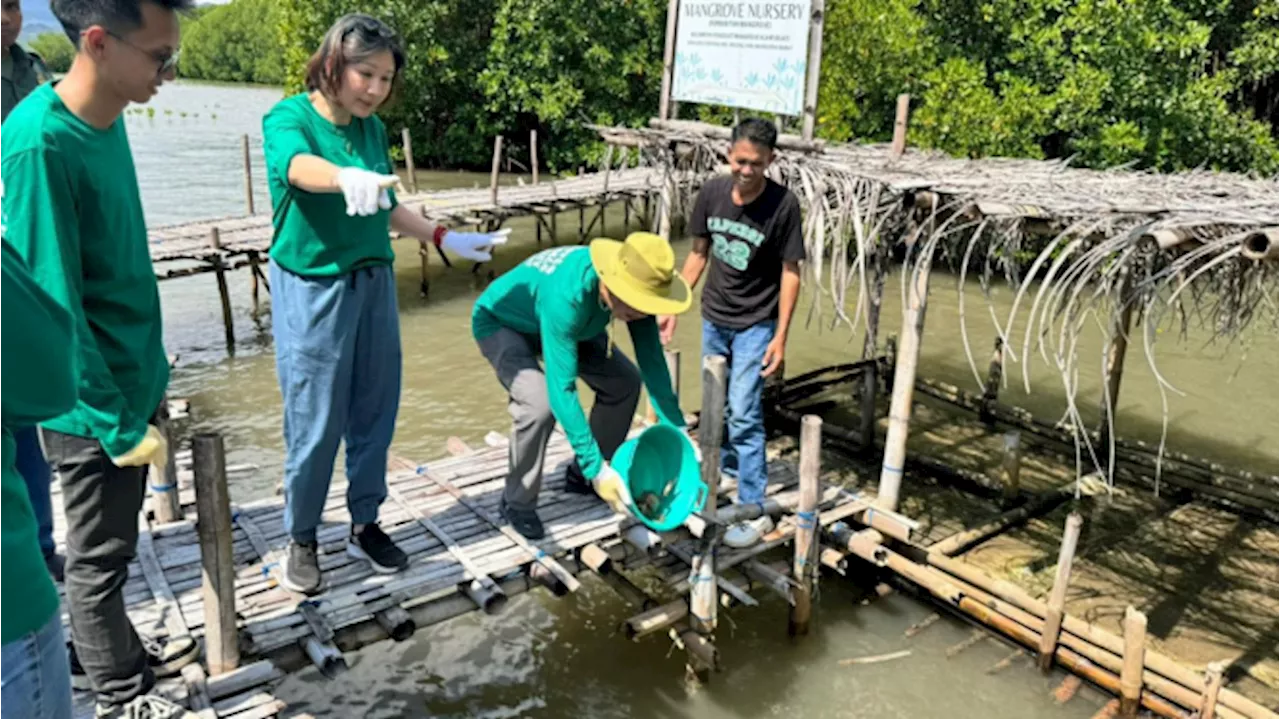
39	382
555	296
72	211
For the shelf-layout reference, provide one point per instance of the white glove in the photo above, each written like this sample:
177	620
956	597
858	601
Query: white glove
365	192
474	245
613	489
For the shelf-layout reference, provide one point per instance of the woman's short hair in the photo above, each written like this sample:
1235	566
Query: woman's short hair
353	38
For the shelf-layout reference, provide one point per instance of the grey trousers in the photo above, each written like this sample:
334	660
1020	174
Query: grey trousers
614	379
101	502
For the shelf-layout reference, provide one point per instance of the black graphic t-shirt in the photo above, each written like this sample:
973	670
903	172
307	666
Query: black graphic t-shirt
748	246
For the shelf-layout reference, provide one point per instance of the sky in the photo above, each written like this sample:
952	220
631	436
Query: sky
37	18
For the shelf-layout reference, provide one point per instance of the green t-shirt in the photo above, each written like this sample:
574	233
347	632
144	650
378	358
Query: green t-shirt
39	382
72	211
314	235
555	296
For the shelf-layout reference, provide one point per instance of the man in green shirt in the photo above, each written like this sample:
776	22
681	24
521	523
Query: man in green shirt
73	212
23	70
39	382
560	303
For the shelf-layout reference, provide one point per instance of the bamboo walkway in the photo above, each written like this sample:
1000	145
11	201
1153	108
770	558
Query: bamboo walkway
444	515
225	238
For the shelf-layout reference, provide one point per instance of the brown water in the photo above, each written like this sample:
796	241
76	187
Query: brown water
548	657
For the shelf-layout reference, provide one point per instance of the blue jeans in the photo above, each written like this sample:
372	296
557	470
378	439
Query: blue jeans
338	360
743	452
35	677
36	473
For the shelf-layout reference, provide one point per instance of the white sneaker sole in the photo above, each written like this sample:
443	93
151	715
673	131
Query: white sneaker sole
298	588
356	551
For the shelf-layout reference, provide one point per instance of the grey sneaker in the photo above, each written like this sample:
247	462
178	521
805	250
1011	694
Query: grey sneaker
302	568
144	706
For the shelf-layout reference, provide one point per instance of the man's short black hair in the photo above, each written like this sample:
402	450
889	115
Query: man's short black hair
118	16
759	131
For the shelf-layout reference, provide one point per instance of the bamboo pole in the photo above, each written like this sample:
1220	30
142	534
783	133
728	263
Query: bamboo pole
224	295
248	174
895	443
804	568
1058	596
406	142
1212	686
165	502
1011	465
900	125
1135	637
1116	350
255	273
702	577
668	60
213	524
493	172
811	73
533	155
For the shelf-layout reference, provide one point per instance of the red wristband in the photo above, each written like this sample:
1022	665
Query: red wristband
440	232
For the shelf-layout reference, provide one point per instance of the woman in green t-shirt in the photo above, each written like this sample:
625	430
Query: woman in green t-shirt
335	321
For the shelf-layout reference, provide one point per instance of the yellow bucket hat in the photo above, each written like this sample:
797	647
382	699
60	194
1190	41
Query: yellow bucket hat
642	272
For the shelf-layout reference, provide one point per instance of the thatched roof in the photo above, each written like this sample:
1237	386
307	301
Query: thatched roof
1077	245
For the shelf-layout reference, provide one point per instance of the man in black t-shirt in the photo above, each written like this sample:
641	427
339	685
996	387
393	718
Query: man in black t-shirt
747	227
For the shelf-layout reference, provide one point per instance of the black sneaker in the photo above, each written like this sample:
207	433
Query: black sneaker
301	568
374	545
524	521
165	657
575	482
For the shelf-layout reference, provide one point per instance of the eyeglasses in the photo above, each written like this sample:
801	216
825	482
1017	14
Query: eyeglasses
165	64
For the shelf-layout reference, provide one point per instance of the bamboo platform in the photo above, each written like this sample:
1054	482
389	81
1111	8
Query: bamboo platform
443	514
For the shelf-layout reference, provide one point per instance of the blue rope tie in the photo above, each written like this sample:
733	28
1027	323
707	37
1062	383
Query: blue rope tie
887	468
696	578
421	469
163	487
539	554
806	520
266	568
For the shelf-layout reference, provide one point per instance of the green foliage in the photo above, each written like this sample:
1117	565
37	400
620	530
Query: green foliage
232	43
1167	84
55	49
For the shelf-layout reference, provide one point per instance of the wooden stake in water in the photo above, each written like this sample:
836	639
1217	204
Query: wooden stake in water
804	567
213	524
493	172
991	392
533	154
1057	597
224	295
407	143
702	575
248	174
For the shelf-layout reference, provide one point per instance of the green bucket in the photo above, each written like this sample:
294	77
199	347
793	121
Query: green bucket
662	472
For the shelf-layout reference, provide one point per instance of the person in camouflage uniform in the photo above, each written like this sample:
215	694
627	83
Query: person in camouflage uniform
23	69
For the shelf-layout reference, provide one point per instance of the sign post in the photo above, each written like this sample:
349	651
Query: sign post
753	54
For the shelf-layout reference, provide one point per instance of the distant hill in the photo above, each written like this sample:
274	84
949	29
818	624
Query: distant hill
37	19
